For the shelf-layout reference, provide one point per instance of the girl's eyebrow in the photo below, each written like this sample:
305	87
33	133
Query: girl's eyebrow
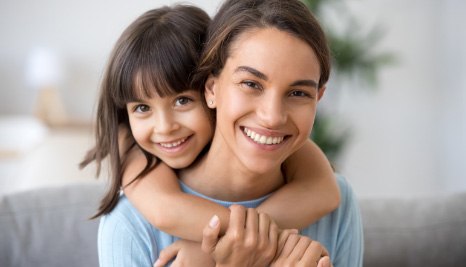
262	76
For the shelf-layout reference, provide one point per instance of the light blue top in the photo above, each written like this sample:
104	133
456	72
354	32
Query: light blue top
127	239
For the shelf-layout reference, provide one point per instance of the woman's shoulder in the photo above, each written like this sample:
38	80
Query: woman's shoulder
124	217
346	191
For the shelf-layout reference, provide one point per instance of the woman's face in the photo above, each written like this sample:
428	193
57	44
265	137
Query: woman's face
174	128
266	97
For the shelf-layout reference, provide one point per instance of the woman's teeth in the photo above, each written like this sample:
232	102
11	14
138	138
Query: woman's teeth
173	144
262	139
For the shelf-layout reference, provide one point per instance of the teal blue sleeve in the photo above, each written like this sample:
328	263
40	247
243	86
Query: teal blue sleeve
125	239
350	242
341	230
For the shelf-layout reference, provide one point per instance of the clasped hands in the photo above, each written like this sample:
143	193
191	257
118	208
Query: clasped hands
252	239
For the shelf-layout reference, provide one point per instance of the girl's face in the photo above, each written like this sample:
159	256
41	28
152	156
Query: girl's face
266	97
174	128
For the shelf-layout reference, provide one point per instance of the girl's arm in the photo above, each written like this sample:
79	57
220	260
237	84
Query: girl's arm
311	191
159	198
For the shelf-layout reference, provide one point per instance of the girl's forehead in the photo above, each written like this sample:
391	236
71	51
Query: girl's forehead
147	84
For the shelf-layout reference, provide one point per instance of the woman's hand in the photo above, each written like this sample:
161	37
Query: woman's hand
186	253
250	240
300	251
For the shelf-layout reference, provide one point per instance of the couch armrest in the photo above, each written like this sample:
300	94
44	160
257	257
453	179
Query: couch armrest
422	231
50	226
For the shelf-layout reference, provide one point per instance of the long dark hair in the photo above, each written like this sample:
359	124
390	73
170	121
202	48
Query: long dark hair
155	55
237	16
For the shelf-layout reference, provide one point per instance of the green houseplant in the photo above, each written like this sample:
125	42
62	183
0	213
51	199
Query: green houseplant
353	59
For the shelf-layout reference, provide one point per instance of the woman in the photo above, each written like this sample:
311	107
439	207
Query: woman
265	66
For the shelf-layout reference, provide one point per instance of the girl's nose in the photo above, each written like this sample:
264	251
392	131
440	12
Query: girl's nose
165	123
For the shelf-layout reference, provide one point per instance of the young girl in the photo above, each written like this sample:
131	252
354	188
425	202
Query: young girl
146	97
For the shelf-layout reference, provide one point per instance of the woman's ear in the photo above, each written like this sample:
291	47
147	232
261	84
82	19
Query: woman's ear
210	91
321	92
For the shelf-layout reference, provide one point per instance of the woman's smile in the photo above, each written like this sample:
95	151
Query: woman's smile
263	139
266	98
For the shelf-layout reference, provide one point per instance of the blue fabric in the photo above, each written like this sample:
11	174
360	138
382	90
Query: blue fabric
127	239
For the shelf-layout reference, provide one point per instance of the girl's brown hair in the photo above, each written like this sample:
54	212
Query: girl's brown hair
238	16
155	55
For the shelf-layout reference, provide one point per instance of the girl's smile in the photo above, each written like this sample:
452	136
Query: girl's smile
173	128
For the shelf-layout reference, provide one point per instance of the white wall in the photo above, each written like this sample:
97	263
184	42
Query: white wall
81	33
409	136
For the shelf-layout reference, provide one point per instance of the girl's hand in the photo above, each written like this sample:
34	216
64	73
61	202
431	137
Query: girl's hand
185	253
300	251
250	240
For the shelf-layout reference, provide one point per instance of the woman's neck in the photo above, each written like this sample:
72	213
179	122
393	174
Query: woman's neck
221	176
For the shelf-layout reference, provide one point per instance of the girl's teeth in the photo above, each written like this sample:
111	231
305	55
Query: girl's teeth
174	144
262	139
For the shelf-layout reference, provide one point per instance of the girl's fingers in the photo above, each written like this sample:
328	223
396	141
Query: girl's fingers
300	248
283	237
324	262
210	235
167	254
313	254
289	245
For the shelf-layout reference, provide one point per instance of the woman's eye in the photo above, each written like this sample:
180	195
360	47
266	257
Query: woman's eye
300	94
251	84
141	108
181	101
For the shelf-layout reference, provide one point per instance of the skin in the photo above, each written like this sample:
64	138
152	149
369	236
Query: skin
277	111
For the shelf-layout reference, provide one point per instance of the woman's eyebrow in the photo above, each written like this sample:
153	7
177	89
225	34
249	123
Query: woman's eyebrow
252	71
260	75
310	83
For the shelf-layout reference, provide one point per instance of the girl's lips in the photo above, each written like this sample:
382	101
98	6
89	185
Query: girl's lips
174	146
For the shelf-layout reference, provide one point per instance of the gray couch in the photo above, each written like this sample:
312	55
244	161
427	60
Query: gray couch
50	227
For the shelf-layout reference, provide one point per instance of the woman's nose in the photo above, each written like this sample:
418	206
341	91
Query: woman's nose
272	112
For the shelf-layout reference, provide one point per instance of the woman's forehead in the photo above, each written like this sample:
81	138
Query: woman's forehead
273	51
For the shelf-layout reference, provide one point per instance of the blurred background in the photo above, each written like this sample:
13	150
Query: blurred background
393	120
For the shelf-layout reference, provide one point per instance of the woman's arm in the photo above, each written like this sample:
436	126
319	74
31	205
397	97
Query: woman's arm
311	191
160	200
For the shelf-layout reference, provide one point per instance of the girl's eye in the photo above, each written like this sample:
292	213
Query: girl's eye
141	108
183	100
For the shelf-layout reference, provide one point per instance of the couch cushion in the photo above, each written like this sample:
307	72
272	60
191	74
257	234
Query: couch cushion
423	231
50	227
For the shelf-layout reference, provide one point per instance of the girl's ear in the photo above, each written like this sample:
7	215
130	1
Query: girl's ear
210	91
321	92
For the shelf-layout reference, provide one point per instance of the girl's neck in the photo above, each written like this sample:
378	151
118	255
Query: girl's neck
221	176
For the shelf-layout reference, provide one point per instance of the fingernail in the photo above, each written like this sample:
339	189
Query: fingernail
157	263
213	221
